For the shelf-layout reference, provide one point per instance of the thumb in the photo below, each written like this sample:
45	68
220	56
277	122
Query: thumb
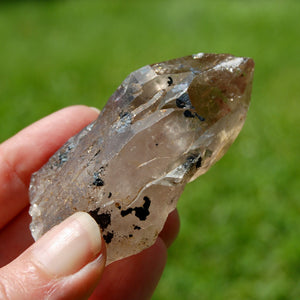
65	263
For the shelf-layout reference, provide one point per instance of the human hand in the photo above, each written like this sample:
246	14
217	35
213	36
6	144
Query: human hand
68	261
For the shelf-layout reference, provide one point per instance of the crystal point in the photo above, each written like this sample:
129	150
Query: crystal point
164	126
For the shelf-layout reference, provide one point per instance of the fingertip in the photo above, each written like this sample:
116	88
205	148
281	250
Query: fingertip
95	109
69	246
66	263
83	109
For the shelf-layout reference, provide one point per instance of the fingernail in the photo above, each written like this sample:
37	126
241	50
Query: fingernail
95	109
69	246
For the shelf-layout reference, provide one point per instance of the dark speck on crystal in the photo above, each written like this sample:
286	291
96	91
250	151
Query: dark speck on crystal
124	115
170	81
199	162
200	117
188	114
97	152
108	237
97	180
140	212
126	212
183	101
103	219
63	157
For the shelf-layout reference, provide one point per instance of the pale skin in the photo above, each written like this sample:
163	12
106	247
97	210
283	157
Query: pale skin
23	273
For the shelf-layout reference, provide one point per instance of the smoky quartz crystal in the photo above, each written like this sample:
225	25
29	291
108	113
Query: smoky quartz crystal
164	126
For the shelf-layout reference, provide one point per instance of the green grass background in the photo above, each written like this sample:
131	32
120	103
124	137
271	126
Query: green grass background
240	231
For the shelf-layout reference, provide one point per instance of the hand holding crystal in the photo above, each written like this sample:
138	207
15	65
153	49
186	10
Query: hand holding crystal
68	261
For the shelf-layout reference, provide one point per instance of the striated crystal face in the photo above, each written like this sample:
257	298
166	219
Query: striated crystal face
164	126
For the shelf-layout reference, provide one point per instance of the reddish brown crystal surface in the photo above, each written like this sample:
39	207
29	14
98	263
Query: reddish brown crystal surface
164	126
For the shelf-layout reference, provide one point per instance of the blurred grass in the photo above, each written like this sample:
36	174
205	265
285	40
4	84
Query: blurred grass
240	233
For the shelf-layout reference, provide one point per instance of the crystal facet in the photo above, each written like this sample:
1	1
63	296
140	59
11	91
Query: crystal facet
164	126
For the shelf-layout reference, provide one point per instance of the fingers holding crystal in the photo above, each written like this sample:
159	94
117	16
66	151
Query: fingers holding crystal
29	149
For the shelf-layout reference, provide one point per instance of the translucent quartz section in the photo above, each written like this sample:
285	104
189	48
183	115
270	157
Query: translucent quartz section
164	126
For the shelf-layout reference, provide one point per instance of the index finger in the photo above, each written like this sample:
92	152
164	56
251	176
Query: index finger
30	149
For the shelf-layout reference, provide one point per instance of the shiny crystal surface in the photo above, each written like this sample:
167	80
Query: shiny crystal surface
164	126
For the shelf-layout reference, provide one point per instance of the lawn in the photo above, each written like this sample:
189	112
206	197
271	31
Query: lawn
240	222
